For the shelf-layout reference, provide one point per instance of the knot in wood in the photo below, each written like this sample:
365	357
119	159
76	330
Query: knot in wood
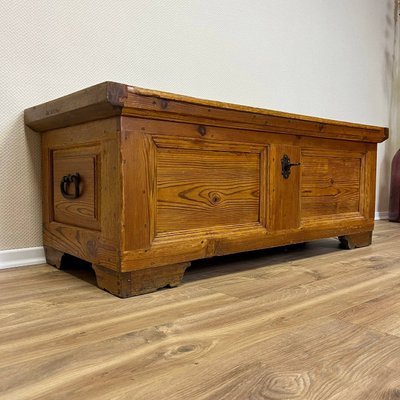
202	130
215	198
286	386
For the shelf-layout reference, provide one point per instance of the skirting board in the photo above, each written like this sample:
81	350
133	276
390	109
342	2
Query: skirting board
22	257
381	215
35	255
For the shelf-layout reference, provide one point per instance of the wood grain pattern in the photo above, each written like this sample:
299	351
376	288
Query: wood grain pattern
369	184
53	256
228	115
108	99
198	189
217	243
311	322
199	134
284	194
160	96
94	237
357	240
127	284
99	101
139	190
84	211
330	183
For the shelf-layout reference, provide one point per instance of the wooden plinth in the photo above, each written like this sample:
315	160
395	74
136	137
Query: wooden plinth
127	284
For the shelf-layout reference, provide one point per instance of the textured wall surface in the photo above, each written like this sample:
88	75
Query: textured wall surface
330	59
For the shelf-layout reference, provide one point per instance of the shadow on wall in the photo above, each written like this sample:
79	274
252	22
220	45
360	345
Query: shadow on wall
20	202
33	142
392	91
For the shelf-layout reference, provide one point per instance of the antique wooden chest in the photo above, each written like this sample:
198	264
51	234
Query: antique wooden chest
139	182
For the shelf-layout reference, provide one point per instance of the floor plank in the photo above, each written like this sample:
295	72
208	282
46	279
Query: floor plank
302	322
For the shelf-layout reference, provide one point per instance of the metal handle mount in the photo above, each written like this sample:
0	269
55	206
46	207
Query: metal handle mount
286	165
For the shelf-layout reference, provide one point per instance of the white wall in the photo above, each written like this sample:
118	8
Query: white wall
324	58
387	150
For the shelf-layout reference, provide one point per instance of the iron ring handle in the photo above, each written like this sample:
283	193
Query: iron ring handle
66	180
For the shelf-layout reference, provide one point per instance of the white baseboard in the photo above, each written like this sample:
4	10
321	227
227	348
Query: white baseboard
381	215
21	257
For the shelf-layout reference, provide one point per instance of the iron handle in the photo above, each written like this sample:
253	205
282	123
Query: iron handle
286	165
67	180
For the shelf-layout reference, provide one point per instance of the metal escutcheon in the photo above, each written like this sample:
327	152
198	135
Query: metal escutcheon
286	165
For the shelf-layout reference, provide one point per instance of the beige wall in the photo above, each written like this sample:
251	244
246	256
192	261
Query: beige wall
318	57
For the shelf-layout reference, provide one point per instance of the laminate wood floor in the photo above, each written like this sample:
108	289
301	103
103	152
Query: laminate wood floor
303	322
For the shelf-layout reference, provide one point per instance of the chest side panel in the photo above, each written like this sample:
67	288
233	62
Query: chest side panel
82	218
81	208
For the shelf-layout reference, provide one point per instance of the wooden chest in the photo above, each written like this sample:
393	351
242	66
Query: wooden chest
139	183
